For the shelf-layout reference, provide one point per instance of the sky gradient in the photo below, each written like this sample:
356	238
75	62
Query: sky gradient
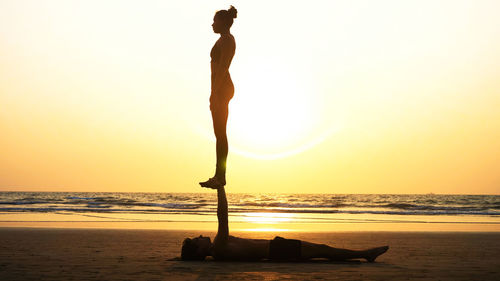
330	96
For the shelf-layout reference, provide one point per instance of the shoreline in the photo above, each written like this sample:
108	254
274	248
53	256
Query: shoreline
256	222
250	231
262	227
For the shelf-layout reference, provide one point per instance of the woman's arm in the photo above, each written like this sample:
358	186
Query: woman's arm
222	215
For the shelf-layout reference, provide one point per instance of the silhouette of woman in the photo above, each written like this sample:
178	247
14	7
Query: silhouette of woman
222	90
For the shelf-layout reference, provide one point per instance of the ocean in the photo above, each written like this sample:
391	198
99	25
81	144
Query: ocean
251	208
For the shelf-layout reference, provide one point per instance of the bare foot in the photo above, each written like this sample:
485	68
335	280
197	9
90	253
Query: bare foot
213	183
372	254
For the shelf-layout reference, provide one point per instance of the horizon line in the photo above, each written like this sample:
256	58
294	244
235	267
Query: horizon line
209	191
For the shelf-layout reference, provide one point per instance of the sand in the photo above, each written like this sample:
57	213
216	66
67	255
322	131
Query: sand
101	254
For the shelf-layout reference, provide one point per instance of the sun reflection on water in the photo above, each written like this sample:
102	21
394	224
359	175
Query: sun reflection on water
267	229
268	218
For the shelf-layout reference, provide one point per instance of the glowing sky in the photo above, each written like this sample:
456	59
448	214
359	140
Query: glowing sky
331	96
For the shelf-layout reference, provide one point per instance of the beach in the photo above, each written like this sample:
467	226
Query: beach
138	236
129	126
127	254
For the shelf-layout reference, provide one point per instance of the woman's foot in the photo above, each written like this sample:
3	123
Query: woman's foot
213	183
372	254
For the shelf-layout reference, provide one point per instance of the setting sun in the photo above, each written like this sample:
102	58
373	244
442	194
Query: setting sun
274	113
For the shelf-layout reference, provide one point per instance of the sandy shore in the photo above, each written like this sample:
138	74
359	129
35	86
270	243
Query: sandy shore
76	254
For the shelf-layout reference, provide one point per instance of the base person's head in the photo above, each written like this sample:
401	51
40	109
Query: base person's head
196	248
223	20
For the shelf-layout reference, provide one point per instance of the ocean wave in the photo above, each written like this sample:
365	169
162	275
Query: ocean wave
482	205
290	205
110	209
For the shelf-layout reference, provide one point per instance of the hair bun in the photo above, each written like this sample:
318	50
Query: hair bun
232	12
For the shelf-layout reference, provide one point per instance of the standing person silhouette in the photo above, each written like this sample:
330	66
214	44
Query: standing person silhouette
222	90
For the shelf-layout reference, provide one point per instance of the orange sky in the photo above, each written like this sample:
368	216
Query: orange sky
331	97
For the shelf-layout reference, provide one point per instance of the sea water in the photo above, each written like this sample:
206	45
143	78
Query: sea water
278	210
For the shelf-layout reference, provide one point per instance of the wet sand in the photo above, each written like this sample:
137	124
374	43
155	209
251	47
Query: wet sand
120	254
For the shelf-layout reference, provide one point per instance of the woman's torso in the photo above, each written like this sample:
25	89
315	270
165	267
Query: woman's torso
226	87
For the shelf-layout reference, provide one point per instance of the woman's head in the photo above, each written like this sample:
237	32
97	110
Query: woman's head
223	20
196	248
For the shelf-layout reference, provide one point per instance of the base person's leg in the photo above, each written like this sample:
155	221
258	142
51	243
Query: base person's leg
312	250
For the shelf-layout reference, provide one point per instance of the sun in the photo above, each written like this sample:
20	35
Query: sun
274	113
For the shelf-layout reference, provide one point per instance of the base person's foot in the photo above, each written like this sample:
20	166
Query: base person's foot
213	183
372	254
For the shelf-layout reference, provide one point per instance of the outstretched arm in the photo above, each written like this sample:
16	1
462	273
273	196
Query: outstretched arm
222	215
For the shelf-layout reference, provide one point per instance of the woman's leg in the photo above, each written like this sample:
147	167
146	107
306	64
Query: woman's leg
219	118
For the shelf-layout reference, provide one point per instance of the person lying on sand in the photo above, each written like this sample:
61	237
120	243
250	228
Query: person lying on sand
229	248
